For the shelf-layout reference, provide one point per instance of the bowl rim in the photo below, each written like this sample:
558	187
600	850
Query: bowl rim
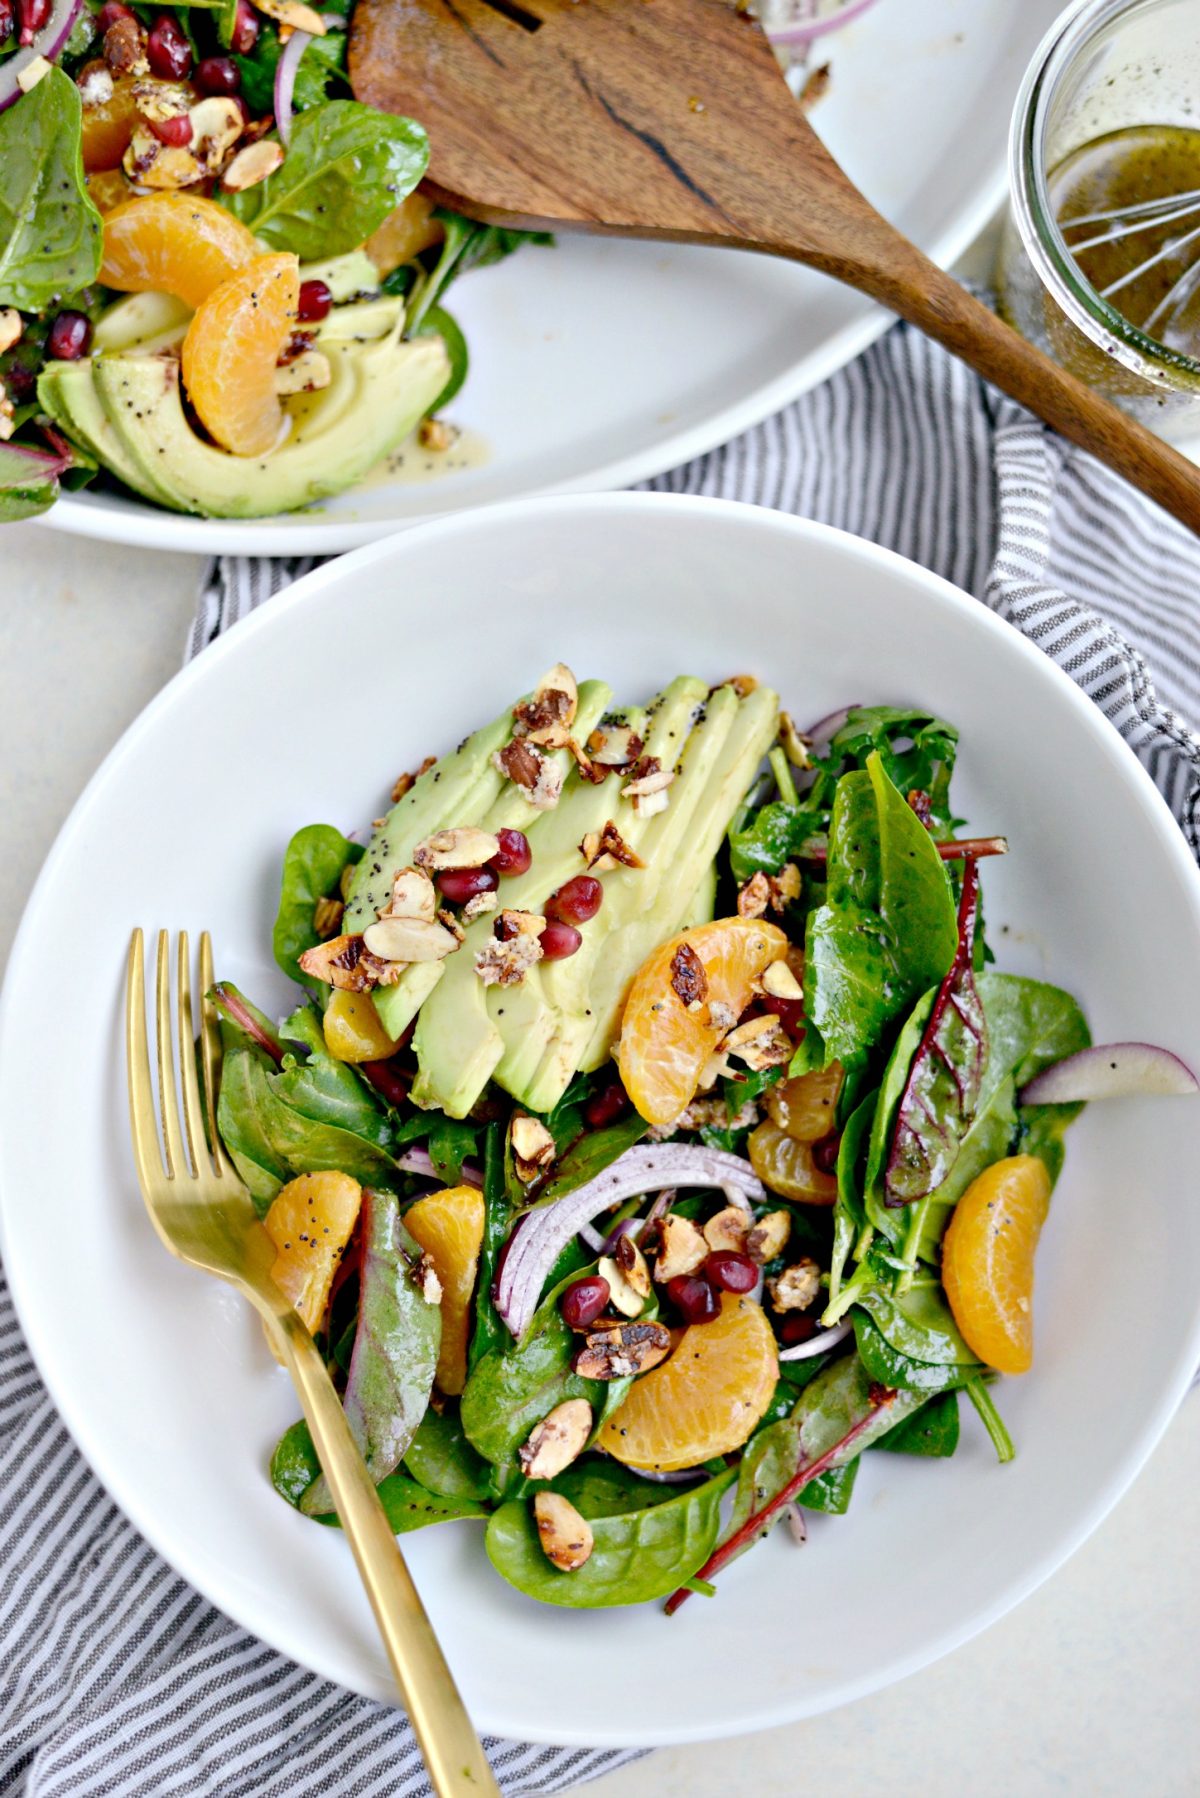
310	591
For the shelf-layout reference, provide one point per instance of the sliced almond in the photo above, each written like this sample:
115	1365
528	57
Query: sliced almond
162	167
779	982
464	847
409	939
754	898
413	896
629	1258
307	373
512	949
327	917
716	1067
216	127
742	684
477	904
565	1536
796	1287
252	165
534	773
728	1229
768	1237
682	1248
628	1278
295	16
615	745
161	100
518	923
340	963
558	1440
795	747
622	1350
761	1043
607	848
548	716
648	787
405	781
532	1143
10	328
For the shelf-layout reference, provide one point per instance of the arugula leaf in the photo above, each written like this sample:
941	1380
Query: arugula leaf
636	1555
440	1458
50	232
888	928
346	168
312	867
395	1348
945	1080
407	1504
931	1431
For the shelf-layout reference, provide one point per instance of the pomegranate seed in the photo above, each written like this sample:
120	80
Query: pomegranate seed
70	335
790	1013
825	1153
8	20
797	1328
730	1271
457	884
218	75
167	50
582	1303
244	35
576	901
314	303
176	131
388	1079
111	11
34	14
20	381
514	855
559	940
693	1298
606	1106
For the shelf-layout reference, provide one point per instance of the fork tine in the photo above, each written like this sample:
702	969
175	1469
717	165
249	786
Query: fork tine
193	1116
210	1053
142	1123
168	1098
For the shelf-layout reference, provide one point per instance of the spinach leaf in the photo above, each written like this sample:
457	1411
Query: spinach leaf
992	1421
450	1142
328	1091
888	928
440	1458
636	1555
408	1504
312	867
1030	1025
849	1215
778	833
889	1366
832	1491
511	1389
28	480
600	1487
346	168
466	245
591	1154
395	1348
437	322
916	750
941	1094
489	1332
932	1431
918	1322
50	232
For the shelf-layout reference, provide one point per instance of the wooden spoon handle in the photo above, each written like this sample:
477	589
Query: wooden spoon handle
894	271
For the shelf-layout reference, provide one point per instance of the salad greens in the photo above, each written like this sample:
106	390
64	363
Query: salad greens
812	1233
49	229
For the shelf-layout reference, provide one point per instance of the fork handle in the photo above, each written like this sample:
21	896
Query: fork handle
453	1752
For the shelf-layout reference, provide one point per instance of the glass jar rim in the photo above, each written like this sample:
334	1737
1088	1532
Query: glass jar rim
1044	242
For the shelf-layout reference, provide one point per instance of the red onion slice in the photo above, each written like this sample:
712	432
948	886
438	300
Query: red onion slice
797	1528
419	1161
677	1478
818	736
1110	1071
47	42
285	82
544	1232
819	1344
803	31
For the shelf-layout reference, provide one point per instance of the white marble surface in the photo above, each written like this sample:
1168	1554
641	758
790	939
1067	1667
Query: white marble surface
1089	1689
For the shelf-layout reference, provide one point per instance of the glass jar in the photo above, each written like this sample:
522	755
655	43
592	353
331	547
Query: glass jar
1106	65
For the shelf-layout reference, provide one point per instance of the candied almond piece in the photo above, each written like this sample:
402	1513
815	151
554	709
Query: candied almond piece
558	1440
565	1536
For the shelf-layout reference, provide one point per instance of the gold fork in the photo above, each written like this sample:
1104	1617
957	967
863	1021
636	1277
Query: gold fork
205	1216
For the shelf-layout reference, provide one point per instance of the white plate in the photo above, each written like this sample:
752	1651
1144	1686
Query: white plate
307	711
600	363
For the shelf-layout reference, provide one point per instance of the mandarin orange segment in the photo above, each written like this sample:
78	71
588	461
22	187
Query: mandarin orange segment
310	1221
106	129
353	1031
231	350
449	1227
667	1034
107	188
788	1167
704	1399
173	243
806	1108
987	1260
404	233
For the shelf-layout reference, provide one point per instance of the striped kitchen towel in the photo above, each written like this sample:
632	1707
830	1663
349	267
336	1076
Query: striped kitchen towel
117	1678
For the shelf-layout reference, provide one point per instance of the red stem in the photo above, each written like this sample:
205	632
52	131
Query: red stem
964	849
807	1471
245	1020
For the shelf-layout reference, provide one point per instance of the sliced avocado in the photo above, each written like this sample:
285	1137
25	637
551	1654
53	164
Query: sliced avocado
461	1033
377	394
67	391
140	321
349	277
361	323
397	1005
703	907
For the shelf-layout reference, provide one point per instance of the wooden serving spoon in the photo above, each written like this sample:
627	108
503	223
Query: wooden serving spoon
671	119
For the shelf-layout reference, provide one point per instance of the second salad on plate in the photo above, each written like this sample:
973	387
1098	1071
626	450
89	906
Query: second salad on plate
654	1134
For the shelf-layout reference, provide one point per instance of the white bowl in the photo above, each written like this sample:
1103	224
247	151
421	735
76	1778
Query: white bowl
307	711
